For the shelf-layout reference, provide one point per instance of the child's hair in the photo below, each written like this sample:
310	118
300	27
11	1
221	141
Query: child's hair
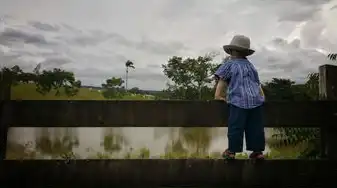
238	54
226	58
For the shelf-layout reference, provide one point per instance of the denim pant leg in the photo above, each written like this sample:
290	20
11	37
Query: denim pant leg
254	130
236	123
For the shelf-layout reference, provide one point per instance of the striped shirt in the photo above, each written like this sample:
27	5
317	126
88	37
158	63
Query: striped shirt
243	83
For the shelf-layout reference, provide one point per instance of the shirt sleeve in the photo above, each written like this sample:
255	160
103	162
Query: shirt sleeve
223	72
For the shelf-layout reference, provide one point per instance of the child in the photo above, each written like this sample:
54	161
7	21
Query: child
244	97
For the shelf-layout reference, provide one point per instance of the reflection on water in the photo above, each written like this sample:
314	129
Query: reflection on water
115	142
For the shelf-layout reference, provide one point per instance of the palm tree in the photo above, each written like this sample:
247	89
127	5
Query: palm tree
128	64
332	56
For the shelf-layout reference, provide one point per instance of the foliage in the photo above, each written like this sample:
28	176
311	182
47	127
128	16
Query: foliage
312	86
57	79
332	56
113	88
134	90
129	64
45	82
190	77
28	92
307	138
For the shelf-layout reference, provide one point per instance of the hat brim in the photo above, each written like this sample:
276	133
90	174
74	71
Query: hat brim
245	51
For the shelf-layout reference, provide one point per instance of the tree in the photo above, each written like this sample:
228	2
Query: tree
46	81
190	77
135	90
190	80
57	79
279	90
113	88
128	64
312	86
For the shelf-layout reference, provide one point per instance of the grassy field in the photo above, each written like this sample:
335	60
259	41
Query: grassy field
28	92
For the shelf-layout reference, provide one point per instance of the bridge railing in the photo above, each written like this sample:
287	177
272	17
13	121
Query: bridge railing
170	113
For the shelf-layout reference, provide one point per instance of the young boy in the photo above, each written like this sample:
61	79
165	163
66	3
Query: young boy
244	97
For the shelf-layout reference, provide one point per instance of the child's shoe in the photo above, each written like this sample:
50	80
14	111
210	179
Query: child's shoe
228	155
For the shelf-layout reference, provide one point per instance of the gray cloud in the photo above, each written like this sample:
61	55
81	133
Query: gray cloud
23	52
96	46
175	9
10	35
54	62
305	10
311	2
93	38
157	66
44	26
140	74
333	7
287	60
301	14
285	45
96	37
160	48
7	59
292	65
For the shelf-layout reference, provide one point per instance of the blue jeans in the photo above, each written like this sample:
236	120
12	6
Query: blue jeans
250	122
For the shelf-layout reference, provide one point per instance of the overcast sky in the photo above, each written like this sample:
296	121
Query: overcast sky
95	38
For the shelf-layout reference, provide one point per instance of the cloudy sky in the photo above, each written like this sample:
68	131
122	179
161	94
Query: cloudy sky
95	38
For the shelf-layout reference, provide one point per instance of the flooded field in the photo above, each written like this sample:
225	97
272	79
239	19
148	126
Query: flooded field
117	142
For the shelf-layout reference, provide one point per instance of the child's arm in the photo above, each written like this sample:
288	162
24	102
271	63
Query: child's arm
222	75
219	91
261	91
259	82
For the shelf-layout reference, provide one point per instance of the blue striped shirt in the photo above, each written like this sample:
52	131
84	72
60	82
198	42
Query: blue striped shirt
243	83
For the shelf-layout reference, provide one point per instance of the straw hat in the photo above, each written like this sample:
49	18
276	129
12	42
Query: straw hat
239	43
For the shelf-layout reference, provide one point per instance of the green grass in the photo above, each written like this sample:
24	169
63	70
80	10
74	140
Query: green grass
28	92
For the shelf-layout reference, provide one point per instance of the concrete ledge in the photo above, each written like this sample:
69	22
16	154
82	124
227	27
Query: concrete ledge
150	113
182	172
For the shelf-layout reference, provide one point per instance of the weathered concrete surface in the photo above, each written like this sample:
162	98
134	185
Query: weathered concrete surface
159	113
182	172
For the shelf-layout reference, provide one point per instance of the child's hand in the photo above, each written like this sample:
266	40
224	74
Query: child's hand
220	98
